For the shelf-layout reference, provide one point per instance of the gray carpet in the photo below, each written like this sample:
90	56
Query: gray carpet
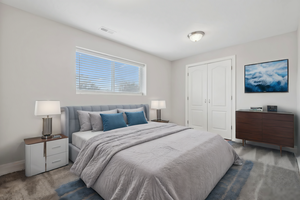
272	177
16	186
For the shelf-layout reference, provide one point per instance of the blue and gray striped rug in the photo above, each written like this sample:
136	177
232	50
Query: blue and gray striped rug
229	186
77	190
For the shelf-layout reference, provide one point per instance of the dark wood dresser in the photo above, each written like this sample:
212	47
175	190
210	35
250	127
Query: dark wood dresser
266	127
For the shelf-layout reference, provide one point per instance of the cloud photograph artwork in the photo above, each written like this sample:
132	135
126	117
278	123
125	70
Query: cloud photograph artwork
267	77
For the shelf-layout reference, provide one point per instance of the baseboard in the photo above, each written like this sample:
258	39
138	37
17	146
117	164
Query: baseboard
12	167
265	145
298	161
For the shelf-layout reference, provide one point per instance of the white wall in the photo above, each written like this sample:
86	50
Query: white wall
274	48
298	95
37	62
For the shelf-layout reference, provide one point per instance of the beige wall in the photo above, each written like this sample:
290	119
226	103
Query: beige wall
274	48
37	62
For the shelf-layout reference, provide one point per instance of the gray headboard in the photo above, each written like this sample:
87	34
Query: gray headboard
70	121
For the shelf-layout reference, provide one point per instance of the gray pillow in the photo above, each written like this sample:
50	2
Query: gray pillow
96	119
130	110
84	120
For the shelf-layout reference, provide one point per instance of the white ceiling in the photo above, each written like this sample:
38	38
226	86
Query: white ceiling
160	27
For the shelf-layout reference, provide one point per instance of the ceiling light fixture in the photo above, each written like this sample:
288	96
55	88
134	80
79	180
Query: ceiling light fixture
196	36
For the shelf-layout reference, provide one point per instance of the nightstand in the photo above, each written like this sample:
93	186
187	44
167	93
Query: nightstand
161	121
43	155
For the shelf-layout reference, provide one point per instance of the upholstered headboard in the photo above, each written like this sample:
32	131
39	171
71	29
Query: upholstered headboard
70	121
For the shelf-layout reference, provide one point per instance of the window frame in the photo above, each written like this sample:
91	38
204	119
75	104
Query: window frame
142	71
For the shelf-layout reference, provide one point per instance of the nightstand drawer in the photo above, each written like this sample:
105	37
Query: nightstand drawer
56	161
57	146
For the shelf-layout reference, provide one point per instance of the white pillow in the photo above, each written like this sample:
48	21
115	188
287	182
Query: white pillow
131	110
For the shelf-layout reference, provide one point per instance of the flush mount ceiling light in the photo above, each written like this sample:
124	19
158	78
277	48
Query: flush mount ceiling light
196	36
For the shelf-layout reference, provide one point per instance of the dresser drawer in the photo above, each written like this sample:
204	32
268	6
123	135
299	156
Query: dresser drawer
56	147
56	161
275	123
277	131
249	127
279	141
254	136
248	116
279	117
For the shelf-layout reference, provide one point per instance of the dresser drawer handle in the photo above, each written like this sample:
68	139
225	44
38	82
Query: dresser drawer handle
56	147
56	161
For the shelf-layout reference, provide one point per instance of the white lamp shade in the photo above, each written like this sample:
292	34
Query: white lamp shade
158	104
47	108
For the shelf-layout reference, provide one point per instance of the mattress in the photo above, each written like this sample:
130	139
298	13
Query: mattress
79	138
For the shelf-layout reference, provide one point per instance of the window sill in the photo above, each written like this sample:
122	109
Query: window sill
109	93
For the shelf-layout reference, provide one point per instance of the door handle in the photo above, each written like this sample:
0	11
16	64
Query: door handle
208	100
205	101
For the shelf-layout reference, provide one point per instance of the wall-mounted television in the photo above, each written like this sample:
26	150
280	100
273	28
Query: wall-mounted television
267	77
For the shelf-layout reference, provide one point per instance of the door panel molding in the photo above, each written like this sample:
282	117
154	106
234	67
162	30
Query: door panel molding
197	97
219	93
233	89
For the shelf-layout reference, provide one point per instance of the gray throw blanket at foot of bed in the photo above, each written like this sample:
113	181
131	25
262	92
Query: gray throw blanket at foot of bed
154	161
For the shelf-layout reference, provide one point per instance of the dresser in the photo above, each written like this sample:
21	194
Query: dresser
43	155
267	127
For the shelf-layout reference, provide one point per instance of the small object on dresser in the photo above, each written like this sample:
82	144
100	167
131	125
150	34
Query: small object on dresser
56	136
257	108
272	108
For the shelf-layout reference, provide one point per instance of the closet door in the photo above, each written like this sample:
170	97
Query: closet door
219	98
197	97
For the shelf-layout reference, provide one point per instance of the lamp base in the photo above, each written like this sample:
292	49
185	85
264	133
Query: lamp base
158	113
47	128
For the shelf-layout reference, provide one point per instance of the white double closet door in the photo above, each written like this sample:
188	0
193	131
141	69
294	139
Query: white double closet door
209	98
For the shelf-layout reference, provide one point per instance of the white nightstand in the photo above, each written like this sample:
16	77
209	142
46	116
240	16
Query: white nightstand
45	154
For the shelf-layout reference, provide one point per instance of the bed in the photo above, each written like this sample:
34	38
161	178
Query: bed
149	161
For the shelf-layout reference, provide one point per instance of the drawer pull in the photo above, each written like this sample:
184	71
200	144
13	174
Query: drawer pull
56	147
56	161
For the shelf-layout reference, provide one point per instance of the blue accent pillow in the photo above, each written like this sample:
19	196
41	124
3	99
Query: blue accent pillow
135	118
113	121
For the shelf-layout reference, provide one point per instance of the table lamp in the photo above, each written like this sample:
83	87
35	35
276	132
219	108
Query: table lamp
47	108
158	105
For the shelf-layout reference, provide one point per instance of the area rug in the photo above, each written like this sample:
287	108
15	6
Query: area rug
272	177
229	186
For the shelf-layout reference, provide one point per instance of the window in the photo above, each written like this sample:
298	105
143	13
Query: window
101	73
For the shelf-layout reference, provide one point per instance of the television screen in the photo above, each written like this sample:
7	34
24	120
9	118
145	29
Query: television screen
267	77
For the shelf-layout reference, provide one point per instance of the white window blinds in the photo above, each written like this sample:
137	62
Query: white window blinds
102	73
